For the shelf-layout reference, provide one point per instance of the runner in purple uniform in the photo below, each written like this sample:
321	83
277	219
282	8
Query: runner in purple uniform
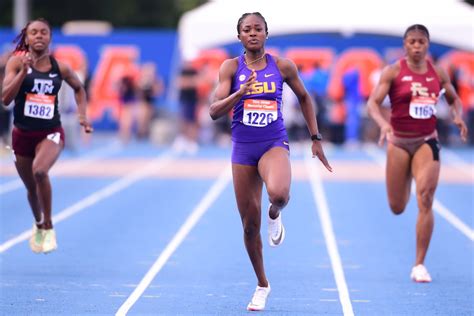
251	86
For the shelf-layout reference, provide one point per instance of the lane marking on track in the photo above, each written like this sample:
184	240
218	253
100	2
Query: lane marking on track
329	236
454	160
124	182
379	157
206	202
77	164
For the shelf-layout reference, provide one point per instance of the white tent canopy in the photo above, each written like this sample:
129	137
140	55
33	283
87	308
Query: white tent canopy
450	22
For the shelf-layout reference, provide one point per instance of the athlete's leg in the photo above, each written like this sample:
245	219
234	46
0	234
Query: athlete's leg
47	152
24	167
275	169
248	192
398	178
426	174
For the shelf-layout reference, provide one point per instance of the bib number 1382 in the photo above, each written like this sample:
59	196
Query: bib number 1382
39	106
259	113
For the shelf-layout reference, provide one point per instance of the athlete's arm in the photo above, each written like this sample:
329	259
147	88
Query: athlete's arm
376	98
223	102
15	71
72	79
454	101
290	75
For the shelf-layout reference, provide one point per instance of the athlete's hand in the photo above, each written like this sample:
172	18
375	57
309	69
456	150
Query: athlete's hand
85	123
384	131
247	86
26	61
317	150
458	121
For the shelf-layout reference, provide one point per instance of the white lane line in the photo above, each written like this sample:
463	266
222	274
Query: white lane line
157	163
438	207
77	164
455	161
10	186
329	236
206	202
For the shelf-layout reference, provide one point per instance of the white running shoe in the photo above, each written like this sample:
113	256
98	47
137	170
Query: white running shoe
420	274
259	298
36	239
276	230
49	240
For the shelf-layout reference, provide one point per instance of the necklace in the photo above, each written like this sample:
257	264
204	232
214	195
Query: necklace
35	60
254	61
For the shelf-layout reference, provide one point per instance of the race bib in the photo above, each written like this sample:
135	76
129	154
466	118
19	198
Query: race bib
259	113
422	107
39	106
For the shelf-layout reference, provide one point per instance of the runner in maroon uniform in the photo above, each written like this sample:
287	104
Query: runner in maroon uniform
33	79
414	86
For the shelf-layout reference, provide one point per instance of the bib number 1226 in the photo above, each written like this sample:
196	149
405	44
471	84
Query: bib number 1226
259	113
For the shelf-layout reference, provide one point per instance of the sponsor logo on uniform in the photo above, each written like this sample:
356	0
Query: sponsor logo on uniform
418	89
242	77
54	137
53	75
407	78
262	87
43	86
268	75
428	79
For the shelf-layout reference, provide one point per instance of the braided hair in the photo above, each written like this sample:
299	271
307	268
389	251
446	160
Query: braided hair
239	23
20	40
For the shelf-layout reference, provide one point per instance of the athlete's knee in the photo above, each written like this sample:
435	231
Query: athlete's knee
251	229
279	198
396	207
40	173
425	197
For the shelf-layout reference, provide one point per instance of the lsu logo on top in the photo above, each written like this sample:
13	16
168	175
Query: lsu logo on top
262	87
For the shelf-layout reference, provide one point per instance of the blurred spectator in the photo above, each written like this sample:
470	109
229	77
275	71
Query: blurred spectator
316	81
294	120
352	100
150	88
463	83
207	74
5	109
337	121
370	129
68	107
128	106
188	101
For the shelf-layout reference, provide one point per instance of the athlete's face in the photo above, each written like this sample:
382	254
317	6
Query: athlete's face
252	32
38	36
416	45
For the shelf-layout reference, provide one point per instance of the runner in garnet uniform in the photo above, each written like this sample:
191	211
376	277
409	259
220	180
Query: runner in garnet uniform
414	86
33	79
251	86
